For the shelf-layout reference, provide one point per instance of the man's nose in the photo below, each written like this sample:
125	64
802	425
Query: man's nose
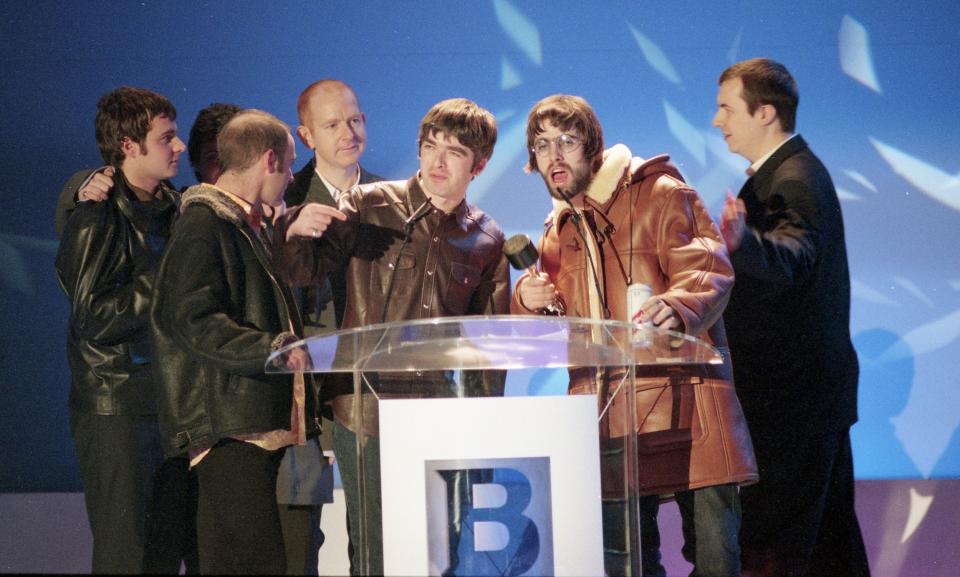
347	132
555	149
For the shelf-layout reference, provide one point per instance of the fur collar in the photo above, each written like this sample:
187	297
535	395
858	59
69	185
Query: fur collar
221	204
616	161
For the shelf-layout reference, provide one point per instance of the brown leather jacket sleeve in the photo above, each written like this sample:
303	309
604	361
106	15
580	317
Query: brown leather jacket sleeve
694	259
306	261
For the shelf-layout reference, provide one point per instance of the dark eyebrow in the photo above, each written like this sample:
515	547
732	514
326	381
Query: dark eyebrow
430	139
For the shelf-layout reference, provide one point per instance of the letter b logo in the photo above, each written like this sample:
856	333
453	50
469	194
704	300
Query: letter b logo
490	517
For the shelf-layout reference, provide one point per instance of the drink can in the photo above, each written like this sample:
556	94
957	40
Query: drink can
637	294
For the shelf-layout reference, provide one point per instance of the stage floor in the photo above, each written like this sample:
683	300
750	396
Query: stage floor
911	528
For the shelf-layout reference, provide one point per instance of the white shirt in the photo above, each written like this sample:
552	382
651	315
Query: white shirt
334	191
759	162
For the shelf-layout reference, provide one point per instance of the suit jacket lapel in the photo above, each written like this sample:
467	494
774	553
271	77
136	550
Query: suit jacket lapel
308	187
760	184
318	192
368	177
297	192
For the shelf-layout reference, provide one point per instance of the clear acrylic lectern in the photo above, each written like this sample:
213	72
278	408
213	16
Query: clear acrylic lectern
489	360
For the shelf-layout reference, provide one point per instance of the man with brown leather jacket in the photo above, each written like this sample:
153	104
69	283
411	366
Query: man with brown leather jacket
452	264
619	221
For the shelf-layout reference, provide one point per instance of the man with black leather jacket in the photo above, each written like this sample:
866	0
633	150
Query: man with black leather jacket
106	265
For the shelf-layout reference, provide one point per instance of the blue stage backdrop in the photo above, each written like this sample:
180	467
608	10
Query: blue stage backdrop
879	91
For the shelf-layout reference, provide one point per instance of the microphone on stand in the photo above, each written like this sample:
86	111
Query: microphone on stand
422	211
522	255
577	219
603	387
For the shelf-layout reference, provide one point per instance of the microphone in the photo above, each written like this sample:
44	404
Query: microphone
576	213
522	255
577	219
422	211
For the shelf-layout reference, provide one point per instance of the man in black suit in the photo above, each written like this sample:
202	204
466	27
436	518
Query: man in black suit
788	322
334	127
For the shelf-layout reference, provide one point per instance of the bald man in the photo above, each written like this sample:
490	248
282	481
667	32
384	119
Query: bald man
334	127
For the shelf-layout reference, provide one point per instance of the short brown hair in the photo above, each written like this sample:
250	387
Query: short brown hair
127	112
474	126
247	136
567	112
767	81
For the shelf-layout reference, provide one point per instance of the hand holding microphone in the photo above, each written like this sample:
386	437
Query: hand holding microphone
536	290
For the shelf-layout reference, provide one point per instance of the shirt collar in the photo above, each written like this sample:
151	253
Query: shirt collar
417	195
253	214
334	191
753	168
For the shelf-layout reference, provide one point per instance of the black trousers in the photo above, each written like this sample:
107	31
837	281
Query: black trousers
238	524
119	456
172	521
302	537
799	519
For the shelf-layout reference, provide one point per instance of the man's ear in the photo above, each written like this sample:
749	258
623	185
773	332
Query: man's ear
768	114
479	167
130	148
270	157
303	133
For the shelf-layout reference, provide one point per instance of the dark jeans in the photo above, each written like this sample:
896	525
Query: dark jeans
711	519
800	519
238	525
118	456
345	448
